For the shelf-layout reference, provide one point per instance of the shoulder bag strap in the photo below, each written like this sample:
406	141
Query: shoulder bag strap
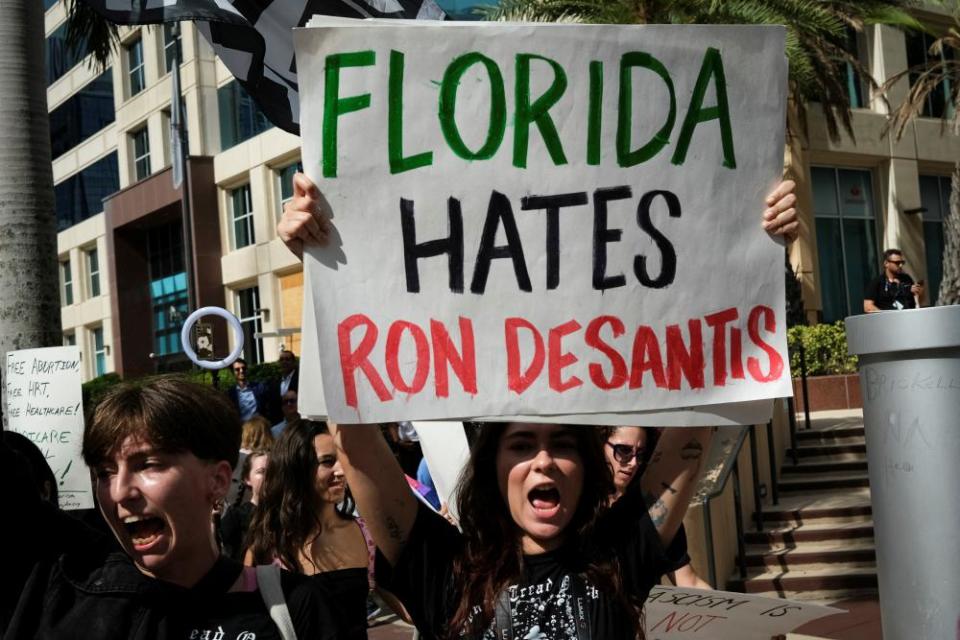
268	580
578	589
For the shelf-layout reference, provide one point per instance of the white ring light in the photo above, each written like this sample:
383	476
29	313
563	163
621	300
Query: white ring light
237	333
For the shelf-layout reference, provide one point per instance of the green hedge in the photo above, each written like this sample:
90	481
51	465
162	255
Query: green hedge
826	349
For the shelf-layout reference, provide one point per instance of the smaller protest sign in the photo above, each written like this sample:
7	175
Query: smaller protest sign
45	404
446	449
673	613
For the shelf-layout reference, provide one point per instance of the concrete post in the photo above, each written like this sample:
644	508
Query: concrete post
910	381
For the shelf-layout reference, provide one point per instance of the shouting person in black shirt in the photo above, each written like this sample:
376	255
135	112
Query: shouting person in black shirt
894	289
541	555
161	453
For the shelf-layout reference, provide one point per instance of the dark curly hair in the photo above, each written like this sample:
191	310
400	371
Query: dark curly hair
492	557
287	517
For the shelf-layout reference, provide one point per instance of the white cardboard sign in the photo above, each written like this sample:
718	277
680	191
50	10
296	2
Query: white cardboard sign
45	403
689	614
544	219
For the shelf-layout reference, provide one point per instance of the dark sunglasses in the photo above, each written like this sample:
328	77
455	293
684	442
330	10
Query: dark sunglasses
899	263
624	452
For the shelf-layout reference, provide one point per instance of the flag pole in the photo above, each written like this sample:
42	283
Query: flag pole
180	156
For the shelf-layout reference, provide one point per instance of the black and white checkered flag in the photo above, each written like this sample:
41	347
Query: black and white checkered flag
254	37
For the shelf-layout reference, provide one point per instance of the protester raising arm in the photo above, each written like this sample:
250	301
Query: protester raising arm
671	477
378	485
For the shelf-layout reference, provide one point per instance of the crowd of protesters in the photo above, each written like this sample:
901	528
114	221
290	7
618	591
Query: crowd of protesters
226	516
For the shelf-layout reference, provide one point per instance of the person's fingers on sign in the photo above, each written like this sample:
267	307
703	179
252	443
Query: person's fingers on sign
780	216
305	221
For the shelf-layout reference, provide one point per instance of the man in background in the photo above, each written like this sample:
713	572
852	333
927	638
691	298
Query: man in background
894	289
250	398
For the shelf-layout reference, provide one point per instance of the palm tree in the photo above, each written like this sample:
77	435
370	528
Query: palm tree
29	289
817	35
817	49
941	71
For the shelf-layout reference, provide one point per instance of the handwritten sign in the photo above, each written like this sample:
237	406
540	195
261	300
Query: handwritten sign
544	219
688	614
45	404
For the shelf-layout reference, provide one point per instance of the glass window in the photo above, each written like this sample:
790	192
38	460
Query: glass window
93	272
70	339
171	45
935	199
241	211
83	114
59	57
285	178
248	312
854	45
81	195
66	282
99	352
168	287
135	69
141	153
918	53
49	3
240	117
846	238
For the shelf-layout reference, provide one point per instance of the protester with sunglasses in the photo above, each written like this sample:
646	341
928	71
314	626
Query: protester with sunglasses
894	289
628	451
291	413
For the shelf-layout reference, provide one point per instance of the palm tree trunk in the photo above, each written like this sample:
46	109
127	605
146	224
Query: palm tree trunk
950	283
29	290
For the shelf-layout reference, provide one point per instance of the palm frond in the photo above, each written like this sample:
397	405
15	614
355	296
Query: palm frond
90	33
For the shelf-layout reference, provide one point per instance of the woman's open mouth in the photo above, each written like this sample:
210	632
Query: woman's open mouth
545	500
144	531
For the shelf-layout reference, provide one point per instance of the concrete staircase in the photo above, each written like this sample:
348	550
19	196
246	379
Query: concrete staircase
817	543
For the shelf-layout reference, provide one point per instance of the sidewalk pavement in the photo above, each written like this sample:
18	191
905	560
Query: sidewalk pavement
861	622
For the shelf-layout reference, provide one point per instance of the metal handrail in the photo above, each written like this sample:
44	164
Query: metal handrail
729	466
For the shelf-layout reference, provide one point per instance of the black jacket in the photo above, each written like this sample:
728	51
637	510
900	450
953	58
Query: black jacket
110	599
62	580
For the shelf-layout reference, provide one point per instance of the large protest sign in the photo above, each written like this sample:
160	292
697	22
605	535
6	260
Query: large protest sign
544	220
45	403
688	614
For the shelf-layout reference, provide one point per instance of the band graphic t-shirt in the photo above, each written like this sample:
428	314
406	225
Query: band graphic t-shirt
553	594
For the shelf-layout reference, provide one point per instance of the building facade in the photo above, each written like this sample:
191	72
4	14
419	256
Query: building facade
122	268
859	196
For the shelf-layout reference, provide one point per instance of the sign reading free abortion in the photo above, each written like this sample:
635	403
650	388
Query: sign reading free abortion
544	219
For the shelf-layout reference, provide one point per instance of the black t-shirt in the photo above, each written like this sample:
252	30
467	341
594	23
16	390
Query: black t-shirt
346	590
541	605
886	294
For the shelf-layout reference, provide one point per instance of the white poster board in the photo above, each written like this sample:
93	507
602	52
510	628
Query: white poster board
690	614
446	450
45	403
547	219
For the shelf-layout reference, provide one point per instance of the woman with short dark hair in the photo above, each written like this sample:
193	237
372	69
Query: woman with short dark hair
161	454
